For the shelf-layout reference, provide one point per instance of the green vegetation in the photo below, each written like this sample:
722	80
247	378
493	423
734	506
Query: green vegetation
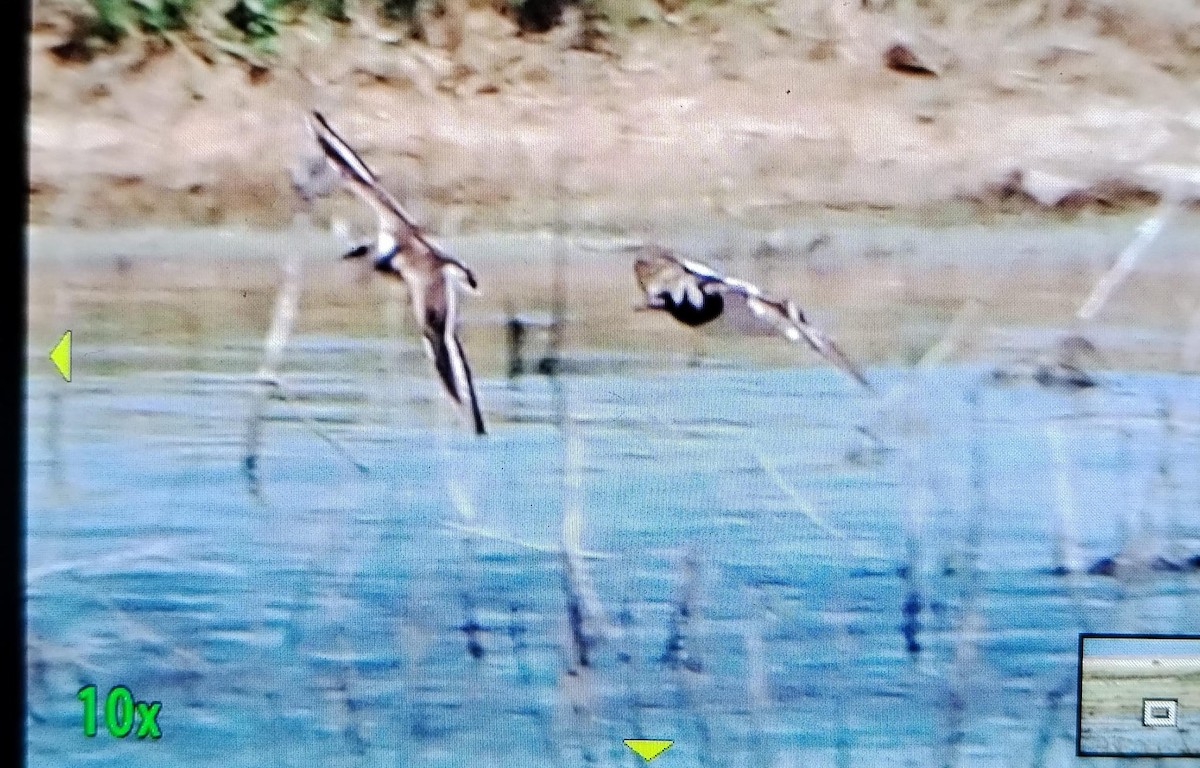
1167	29
260	21
256	19
106	24
116	19
398	9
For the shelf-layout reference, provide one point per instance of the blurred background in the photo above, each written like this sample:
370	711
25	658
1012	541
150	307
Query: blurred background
637	113
253	504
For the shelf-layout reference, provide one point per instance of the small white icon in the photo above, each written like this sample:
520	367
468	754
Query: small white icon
1159	712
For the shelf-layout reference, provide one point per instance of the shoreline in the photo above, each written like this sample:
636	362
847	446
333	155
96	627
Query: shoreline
885	291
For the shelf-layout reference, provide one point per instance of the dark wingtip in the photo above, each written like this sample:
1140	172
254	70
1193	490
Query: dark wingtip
316	123
476	414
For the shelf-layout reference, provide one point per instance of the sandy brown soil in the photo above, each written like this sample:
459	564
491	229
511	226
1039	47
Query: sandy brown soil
746	113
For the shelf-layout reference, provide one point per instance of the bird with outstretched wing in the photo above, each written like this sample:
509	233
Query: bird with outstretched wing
402	251
695	294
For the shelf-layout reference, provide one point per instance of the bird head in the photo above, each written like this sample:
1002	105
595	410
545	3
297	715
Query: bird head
644	271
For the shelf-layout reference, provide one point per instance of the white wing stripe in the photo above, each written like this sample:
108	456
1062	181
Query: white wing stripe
362	181
453	349
343	150
699	270
743	287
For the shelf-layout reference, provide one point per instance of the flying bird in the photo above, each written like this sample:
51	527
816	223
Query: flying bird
695	294
401	251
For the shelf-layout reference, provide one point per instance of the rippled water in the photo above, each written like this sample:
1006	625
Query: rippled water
776	588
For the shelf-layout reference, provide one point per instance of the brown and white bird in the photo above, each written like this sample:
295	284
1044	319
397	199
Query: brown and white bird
695	294
402	251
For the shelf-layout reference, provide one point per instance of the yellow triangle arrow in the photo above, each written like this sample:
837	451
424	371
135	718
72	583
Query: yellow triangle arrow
648	749
61	355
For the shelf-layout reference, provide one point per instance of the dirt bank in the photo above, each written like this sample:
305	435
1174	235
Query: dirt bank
751	113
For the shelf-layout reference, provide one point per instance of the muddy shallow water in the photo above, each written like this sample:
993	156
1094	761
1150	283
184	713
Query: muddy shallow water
888	290
765	584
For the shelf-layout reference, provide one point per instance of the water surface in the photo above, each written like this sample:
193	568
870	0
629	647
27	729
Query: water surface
774	587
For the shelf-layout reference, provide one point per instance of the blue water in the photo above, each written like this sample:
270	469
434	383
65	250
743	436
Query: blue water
776	590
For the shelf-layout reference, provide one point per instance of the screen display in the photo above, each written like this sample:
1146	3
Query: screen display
599	382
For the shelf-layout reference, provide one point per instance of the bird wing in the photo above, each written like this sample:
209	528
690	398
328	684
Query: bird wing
659	271
416	256
696	269
826	347
709	279
462	272
445	348
788	320
358	177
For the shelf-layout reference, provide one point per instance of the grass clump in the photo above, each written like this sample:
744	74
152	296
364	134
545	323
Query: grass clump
116	19
258	21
